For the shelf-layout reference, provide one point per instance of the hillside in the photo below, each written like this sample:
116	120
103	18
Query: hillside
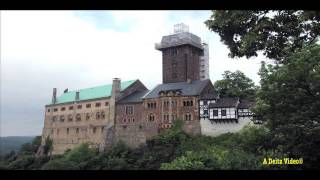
14	143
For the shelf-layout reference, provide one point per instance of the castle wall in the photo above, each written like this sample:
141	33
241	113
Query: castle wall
218	128
168	109
130	128
67	133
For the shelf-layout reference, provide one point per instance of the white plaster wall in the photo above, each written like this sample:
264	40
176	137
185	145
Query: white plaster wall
215	129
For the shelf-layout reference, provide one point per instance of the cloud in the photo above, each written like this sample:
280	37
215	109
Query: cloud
41	50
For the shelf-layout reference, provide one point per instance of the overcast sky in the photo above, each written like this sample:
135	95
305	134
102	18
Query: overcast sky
41	50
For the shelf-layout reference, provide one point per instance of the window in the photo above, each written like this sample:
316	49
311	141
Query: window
124	120
70	107
205	111
62	118
215	112
151	117
58	131
67	130
174	75
87	116
48	110
102	129
98	115
174	52
70	117
88	105
78	117
54	118
174	117
133	120
187	117
129	109
63	108
55	109
103	115
79	106
223	112
98	104
94	130
187	103
152	105
106	103
77	130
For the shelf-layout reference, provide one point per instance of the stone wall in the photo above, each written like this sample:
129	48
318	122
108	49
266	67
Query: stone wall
215	129
67	133
130	128
184	64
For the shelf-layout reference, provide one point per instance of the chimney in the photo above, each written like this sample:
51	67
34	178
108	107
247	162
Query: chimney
65	91
189	81
77	96
54	96
116	88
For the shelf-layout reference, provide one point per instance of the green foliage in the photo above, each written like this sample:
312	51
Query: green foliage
289	101
276	33
48	146
60	164
235	84
187	162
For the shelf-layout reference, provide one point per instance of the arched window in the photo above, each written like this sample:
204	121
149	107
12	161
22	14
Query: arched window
94	130
103	115
188	103
102	129
98	115
151	117
62	118
78	117
187	117
191	103
54	118
70	117
87	116
124	120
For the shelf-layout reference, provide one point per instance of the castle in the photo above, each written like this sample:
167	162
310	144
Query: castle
127	111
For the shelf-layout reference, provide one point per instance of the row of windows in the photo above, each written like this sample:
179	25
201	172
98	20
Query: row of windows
223	112
129	120
99	115
152	105
129	109
187	117
79	107
77	130
187	103
167	103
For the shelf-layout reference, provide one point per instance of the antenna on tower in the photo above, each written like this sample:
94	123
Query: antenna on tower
181	27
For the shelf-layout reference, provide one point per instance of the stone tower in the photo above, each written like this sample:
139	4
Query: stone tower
109	130
181	54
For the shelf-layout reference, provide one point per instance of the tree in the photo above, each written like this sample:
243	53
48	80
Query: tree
235	84
276	33
289	102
